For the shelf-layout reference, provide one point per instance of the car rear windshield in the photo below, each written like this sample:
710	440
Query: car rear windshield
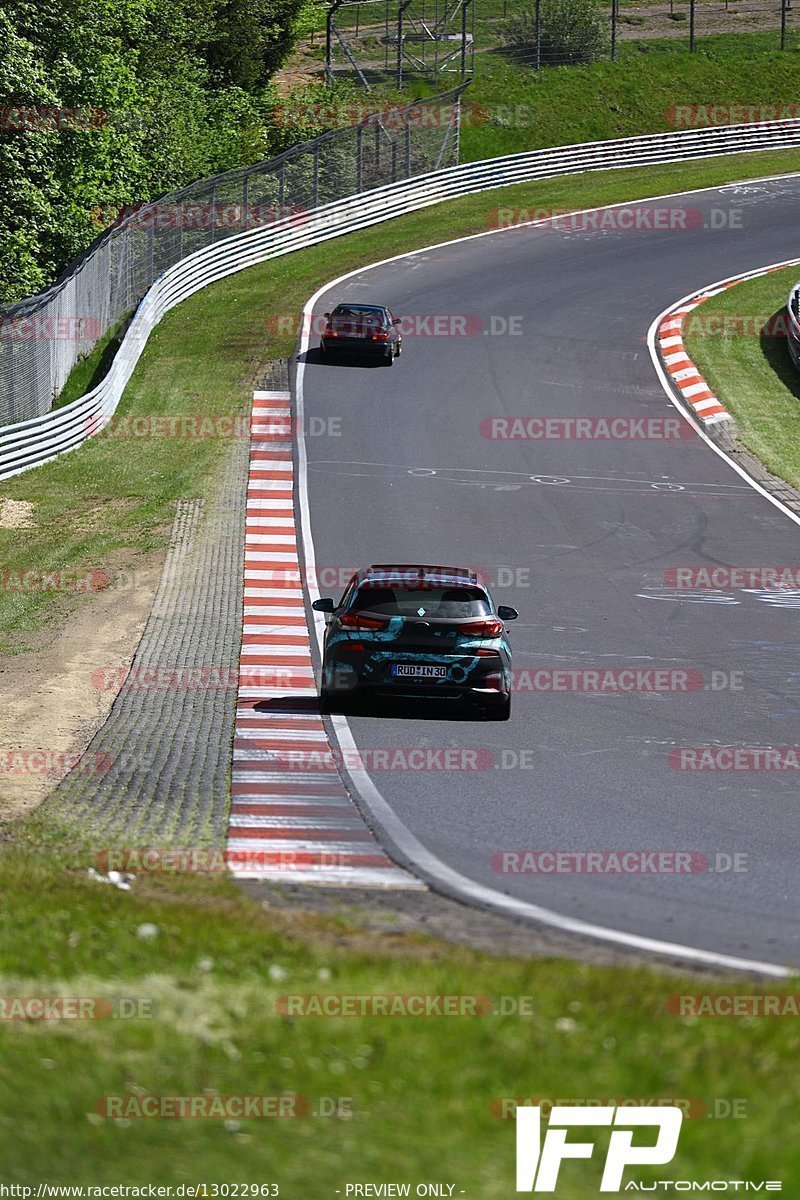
356	320
459	603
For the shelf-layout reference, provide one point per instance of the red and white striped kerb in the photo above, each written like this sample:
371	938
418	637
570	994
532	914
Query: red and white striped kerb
685	375
286	824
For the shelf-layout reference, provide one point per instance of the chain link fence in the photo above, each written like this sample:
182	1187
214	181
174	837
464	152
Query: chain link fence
42	338
546	33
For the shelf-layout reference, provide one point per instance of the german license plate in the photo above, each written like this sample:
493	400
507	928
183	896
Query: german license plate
418	671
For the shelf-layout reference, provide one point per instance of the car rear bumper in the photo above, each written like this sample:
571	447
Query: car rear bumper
355	346
486	686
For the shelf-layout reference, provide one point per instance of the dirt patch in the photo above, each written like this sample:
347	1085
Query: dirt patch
16	514
50	705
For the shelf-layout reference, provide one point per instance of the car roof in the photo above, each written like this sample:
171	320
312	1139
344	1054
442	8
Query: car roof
368	308
411	572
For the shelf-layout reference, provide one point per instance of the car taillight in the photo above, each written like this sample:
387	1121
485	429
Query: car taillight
380	337
359	621
491	628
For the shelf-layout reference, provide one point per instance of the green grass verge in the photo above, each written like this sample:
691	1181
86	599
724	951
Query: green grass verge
118	494
750	370
415	1096
635	95
89	371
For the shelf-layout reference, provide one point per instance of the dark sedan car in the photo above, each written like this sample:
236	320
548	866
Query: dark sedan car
365	330
419	632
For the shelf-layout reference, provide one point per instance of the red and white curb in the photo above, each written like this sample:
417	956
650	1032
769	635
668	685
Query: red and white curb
291	818
682	371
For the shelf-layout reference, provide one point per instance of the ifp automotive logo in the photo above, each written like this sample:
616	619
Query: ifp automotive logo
538	1164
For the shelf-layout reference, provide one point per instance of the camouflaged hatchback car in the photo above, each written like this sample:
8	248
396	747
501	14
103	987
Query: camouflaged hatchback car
420	632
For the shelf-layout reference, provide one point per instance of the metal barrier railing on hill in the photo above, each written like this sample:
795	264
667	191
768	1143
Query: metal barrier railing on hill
32	442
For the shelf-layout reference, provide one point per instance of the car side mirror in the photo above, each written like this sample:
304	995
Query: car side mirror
506	613
396	320
326	314
325	604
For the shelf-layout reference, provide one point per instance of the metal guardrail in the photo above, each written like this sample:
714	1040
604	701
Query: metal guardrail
30	443
793	324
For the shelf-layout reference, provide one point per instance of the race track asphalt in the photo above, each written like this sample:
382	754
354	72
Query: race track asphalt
578	535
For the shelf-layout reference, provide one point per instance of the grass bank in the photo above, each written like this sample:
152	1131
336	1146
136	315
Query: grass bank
738	341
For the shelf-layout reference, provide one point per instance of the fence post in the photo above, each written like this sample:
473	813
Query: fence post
212	204
691	24
783	24
400	14
408	146
614	30
316	175
538	33
464	40
359	155
329	40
